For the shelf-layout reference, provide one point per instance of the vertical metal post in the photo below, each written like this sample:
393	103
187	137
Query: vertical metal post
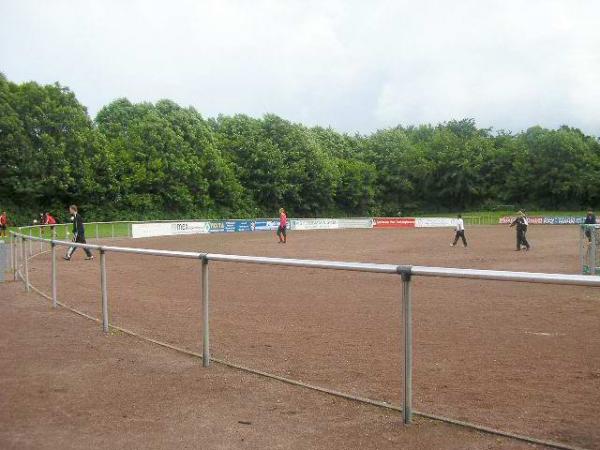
54	299
407	317
26	266
96	230
205	330
582	248
16	252
12	252
112	230
104	291
30	242
40	235
593	251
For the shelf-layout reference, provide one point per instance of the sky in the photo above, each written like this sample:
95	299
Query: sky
356	66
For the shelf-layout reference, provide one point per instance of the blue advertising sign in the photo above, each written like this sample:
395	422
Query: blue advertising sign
236	226
217	227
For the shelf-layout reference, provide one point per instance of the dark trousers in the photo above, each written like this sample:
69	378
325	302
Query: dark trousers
522	240
460	234
80	240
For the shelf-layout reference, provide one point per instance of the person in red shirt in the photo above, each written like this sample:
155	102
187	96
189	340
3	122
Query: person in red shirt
3	224
282	230
47	219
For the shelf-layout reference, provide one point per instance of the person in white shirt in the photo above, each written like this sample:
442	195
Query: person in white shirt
460	232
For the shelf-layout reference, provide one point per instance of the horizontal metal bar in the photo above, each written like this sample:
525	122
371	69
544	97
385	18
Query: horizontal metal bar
501	275
308	263
153	252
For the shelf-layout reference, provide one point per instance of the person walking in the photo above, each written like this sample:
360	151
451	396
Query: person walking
282	230
522	224
49	221
78	234
3	224
590	219
460	232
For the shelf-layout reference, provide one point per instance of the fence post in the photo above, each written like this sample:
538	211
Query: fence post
12	254
407	316
112	230
16	256
205	330
104	291
54	299
30	242
593	261
40	235
26	266
96	230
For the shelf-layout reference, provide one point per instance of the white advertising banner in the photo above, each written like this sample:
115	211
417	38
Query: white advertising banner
434	222
314	224
143	230
355	223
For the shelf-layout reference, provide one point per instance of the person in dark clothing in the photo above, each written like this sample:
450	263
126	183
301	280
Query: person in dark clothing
590	219
521	224
78	234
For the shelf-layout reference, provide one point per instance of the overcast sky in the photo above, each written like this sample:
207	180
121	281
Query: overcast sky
352	65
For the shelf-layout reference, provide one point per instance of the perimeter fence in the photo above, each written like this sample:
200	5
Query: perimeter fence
24	243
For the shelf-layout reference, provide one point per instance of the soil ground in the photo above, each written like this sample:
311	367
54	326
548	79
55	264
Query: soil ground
518	357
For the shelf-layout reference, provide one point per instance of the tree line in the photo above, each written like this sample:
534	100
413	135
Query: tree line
151	161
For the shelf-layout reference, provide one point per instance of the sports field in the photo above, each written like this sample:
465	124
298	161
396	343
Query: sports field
517	357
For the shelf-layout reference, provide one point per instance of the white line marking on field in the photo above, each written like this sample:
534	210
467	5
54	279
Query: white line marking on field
543	334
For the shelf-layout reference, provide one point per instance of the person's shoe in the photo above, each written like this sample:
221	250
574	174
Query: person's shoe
88	258
66	258
451	245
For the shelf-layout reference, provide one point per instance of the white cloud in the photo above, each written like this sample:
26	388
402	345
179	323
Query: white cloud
354	65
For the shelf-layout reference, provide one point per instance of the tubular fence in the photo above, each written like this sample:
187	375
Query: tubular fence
21	249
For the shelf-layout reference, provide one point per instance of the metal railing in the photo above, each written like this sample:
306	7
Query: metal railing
406	272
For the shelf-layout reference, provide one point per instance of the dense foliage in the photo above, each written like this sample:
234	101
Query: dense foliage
161	160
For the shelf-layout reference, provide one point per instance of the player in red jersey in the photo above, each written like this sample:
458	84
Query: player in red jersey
3	224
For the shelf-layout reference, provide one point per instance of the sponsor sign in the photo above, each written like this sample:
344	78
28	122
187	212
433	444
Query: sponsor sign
235	226
538	220
217	227
563	220
355	223
142	230
434	222
393	222
267	225
314	224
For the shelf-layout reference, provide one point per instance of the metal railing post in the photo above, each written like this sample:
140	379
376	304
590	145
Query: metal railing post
26	266
41	242
54	299
407	317
593	252
582	236
104	291
12	255
112	230
16	252
96	230
205	329
30	242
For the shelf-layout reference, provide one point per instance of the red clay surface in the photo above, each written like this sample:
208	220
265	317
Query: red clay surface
518	357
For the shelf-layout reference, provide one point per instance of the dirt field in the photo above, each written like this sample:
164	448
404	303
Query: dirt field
522	358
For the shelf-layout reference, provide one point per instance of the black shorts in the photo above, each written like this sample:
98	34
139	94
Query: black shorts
3	227
282	230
